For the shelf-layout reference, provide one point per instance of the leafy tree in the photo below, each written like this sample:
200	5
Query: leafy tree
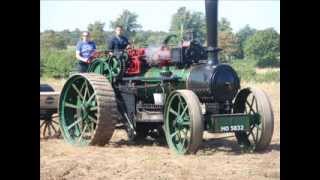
51	40
65	34
156	37
198	26
97	32
183	20
128	21
140	38
229	43
243	34
75	36
146	38
264	46
224	25
269	60
179	21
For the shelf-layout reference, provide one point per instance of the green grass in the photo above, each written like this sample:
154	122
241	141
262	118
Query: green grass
246	70
56	63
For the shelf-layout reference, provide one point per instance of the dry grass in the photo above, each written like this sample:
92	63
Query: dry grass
216	159
266	70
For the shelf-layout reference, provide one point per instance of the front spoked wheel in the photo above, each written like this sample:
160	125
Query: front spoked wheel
255	102
183	122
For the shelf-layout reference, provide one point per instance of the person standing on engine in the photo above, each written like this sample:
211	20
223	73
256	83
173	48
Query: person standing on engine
84	50
118	42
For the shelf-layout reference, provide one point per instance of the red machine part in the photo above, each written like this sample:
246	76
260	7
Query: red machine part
135	56
164	62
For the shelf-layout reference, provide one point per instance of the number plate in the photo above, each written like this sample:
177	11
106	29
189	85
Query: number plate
229	123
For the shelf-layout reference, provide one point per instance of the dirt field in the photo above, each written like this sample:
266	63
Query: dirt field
218	158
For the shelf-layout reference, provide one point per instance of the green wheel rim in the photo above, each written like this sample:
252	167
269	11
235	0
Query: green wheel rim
108	66
184	122
178	124
78	111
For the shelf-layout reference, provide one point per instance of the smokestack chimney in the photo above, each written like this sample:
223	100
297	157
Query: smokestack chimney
212	31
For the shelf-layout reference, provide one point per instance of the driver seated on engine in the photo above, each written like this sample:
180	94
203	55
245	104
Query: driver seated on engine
118	42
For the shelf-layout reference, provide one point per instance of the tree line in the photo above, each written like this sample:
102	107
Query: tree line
263	46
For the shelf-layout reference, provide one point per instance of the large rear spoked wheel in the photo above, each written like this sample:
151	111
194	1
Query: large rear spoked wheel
255	102
87	110
183	122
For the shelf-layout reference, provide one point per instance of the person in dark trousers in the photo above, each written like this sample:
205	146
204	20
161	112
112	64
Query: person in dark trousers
84	50
118	42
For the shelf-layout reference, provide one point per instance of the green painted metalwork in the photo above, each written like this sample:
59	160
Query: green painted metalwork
77	111
109	66
231	122
182	73
165	71
154	72
178	124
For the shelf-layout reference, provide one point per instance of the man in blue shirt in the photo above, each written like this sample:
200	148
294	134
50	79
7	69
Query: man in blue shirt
84	50
118	42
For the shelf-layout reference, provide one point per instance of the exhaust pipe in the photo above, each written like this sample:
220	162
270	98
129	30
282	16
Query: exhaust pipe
212	31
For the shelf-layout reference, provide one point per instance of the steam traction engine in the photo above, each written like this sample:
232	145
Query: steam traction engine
186	94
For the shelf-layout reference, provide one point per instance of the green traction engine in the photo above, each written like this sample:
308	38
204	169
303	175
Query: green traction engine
180	96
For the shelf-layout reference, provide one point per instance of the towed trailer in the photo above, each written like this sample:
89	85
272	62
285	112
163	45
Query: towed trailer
49	125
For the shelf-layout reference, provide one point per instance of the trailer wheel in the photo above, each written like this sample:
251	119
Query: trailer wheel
88	110
49	127
255	101
183	122
48	121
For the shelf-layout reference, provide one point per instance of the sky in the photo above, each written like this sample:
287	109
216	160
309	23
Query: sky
152	14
